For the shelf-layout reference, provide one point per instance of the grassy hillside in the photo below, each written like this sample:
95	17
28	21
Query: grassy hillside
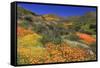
50	38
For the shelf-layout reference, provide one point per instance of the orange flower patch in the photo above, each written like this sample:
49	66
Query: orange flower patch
87	38
22	31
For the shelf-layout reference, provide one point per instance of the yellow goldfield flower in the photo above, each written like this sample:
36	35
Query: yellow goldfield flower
30	40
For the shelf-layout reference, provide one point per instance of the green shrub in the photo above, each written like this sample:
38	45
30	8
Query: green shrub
24	24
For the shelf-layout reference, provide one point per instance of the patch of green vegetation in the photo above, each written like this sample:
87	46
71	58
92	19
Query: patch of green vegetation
24	24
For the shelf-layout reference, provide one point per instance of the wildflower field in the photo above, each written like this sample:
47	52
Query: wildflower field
50	38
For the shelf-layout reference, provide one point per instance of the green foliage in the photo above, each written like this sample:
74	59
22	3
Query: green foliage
86	28
51	38
93	46
24	24
72	36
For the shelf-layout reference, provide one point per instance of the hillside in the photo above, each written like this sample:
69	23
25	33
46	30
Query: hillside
54	38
